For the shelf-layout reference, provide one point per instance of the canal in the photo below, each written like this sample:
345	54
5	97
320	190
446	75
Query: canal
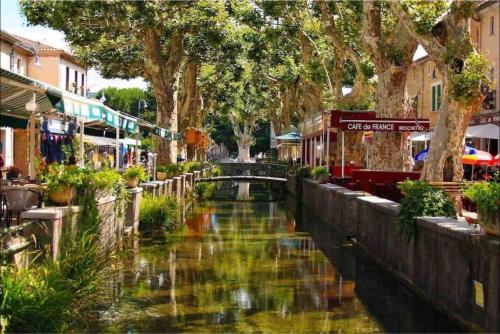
250	265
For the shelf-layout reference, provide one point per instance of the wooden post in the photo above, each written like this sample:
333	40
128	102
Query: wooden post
31	158
137	153
343	162
82	147
117	143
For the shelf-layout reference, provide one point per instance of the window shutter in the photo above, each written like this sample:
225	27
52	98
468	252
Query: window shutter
438	93
433	99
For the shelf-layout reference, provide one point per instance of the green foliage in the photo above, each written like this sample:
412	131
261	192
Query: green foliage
105	179
216	171
136	172
426	13
158	214
319	171
205	190
192	166
466	85
303	172
123	99
421	199
60	175
60	294
486	195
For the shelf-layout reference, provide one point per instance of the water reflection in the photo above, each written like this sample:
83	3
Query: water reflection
247	267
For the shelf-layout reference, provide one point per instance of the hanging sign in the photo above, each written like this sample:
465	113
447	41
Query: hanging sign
385	125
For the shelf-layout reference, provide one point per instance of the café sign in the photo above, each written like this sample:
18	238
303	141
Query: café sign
385	125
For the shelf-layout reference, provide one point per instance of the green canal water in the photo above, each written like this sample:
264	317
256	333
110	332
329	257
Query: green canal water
251	266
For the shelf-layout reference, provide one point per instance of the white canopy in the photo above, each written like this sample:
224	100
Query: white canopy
421	136
105	141
491	131
100	141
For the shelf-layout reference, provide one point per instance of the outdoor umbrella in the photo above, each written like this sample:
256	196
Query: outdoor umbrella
477	158
496	160
421	156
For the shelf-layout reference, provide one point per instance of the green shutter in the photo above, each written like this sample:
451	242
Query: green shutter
438	102
433	99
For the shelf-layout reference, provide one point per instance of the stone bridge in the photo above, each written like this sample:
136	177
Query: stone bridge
254	169
241	178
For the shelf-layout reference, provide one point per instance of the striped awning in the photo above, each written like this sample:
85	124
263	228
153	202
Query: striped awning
16	90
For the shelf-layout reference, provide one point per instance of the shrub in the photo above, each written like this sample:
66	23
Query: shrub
319	171
205	190
105	179
62	294
421	199
158	214
486	195
136	171
216	171
60	175
303	172
162	168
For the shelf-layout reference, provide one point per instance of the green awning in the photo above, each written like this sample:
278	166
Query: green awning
13	122
16	90
292	136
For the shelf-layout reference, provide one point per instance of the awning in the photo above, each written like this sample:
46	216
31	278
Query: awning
16	90
490	131
421	136
100	141
13	122
129	141
292	136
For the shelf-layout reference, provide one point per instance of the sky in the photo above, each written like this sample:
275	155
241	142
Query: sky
12	21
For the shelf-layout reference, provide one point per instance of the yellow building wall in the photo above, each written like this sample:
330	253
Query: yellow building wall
48	72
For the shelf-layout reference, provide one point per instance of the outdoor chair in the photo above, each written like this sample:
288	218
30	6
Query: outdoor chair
18	200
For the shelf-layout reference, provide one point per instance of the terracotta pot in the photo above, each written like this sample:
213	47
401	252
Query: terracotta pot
490	222
62	195
132	182
161	176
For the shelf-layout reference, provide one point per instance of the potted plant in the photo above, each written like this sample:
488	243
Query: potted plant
133	175
320	174
161	172
104	182
486	195
13	173
62	183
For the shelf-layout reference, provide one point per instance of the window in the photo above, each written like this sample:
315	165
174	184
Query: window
492	25
19	65
75	87
436	97
83	85
67	78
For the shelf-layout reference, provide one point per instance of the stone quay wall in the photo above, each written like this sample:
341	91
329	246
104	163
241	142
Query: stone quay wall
451	264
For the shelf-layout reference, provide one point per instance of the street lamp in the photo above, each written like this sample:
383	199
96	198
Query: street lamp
28	46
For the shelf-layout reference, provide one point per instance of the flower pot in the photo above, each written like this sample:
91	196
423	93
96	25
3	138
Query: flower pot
161	176
62	195
132	182
490	222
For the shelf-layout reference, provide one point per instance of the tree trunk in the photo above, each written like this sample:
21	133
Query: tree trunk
386	152
164	77
447	144
244	138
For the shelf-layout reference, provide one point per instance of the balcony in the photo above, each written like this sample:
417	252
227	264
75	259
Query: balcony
489	102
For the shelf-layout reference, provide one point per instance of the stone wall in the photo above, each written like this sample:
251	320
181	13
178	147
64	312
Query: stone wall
451	264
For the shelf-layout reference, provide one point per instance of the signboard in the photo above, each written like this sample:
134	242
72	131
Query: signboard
385	125
486	118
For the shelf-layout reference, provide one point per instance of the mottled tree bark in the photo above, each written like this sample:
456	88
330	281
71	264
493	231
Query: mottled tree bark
386	152
190	103
449	134
163	73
